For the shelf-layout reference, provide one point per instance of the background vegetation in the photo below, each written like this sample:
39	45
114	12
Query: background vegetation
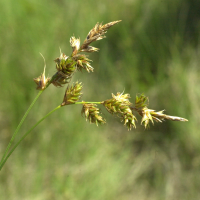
155	50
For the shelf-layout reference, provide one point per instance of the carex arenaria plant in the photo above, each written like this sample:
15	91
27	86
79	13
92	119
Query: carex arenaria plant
119	105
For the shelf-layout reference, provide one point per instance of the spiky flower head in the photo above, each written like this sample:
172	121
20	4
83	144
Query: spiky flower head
65	64
72	94
42	81
82	62
91	113
97	33
59	79
149	115
120	105
141	101
146	117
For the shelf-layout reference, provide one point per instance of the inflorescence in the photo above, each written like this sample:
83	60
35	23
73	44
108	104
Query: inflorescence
118	105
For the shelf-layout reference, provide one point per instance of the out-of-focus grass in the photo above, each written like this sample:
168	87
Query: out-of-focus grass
153	50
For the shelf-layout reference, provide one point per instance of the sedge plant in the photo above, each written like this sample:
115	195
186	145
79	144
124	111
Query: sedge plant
118	104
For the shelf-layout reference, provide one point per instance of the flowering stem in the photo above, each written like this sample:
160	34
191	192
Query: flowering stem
88	102
5	158
18	127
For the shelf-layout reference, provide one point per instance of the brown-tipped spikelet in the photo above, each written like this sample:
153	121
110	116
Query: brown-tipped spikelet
97	33
41	81
120	105
65	64
91	113
72	94
146	117
149	114
141	101
59	79
83	63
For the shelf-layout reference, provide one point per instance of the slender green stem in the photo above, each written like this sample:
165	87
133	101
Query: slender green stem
88	102
4	159
18	127
15	146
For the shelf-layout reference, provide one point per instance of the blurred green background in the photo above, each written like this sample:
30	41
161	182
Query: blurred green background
154	50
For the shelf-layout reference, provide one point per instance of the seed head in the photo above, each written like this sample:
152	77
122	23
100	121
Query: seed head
65	64
97	33
59	79
149	114
72	94
91	113
82	62
120	105
141	101
42	81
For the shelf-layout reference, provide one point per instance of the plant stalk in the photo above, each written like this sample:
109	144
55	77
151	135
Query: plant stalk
18	127
15	146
